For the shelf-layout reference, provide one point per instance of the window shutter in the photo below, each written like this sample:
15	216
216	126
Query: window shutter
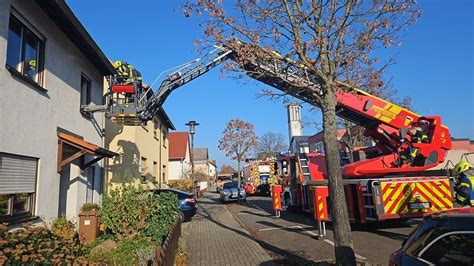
17	174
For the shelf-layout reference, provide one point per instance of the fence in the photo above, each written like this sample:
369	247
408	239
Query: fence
164	255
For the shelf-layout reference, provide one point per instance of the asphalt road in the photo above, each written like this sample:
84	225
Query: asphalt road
292	238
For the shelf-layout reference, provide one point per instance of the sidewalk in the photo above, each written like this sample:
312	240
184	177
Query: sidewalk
214	237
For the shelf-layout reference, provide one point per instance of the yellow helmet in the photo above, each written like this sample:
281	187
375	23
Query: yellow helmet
462	166
117	64
32	63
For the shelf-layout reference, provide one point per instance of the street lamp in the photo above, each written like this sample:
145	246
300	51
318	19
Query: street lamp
192	130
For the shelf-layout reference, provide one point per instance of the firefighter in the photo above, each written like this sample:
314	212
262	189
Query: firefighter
31	70
465	185
128	73
416	136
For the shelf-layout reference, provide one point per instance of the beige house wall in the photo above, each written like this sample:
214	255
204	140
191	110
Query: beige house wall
453	157
143	153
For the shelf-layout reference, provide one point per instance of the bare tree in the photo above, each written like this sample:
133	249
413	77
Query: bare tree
333	42
238	141
270	144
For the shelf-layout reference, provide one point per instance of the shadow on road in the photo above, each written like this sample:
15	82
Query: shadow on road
307	219
283	256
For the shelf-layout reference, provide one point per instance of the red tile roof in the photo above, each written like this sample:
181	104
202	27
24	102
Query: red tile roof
178	142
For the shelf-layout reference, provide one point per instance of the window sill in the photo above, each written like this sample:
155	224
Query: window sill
17	74
14	220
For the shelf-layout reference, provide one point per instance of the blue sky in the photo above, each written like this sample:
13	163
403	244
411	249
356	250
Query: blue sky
435	66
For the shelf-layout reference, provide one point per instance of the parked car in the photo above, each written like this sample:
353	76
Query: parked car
221	180
229	192
186	201
444	238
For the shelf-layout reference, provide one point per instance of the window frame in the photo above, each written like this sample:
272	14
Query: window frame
155	168
164	137
40	40
427	247
155	130
13	217
29	214
143	166
88	96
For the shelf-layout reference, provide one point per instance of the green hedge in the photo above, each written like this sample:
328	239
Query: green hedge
131	212
136	219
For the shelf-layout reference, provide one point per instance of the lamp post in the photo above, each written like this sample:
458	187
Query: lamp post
192	130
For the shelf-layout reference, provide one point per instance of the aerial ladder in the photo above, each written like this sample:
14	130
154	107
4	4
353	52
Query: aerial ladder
384	122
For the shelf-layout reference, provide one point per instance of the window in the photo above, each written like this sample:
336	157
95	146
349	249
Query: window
86	97
25	50
155	130
163	174
154	168
143	166
164	138
17	186
456	248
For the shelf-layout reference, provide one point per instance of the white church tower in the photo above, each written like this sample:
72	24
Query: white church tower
294	121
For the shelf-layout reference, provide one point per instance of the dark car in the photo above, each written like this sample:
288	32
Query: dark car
186	201
444	238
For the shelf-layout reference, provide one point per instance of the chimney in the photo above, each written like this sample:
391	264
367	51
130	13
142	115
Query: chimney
294	121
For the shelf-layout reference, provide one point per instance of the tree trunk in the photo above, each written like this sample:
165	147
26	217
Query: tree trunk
238	181
342	231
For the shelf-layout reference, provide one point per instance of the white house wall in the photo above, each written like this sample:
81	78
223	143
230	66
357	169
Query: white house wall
33	116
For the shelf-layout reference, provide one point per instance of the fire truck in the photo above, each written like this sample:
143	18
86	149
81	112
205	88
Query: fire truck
259	176
377	188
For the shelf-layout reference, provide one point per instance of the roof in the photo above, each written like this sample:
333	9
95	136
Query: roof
462	144
227	170
318	137
178	142
82	144
301	140
60	13
165	118
200	154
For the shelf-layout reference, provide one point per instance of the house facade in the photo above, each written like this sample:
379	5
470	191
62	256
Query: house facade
213	169
180	158
143	151
462	150
201	160
50	153
299	144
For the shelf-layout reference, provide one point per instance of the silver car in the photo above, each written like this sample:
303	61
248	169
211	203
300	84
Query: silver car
229	192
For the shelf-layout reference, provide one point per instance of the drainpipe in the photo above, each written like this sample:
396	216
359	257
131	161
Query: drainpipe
161	147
